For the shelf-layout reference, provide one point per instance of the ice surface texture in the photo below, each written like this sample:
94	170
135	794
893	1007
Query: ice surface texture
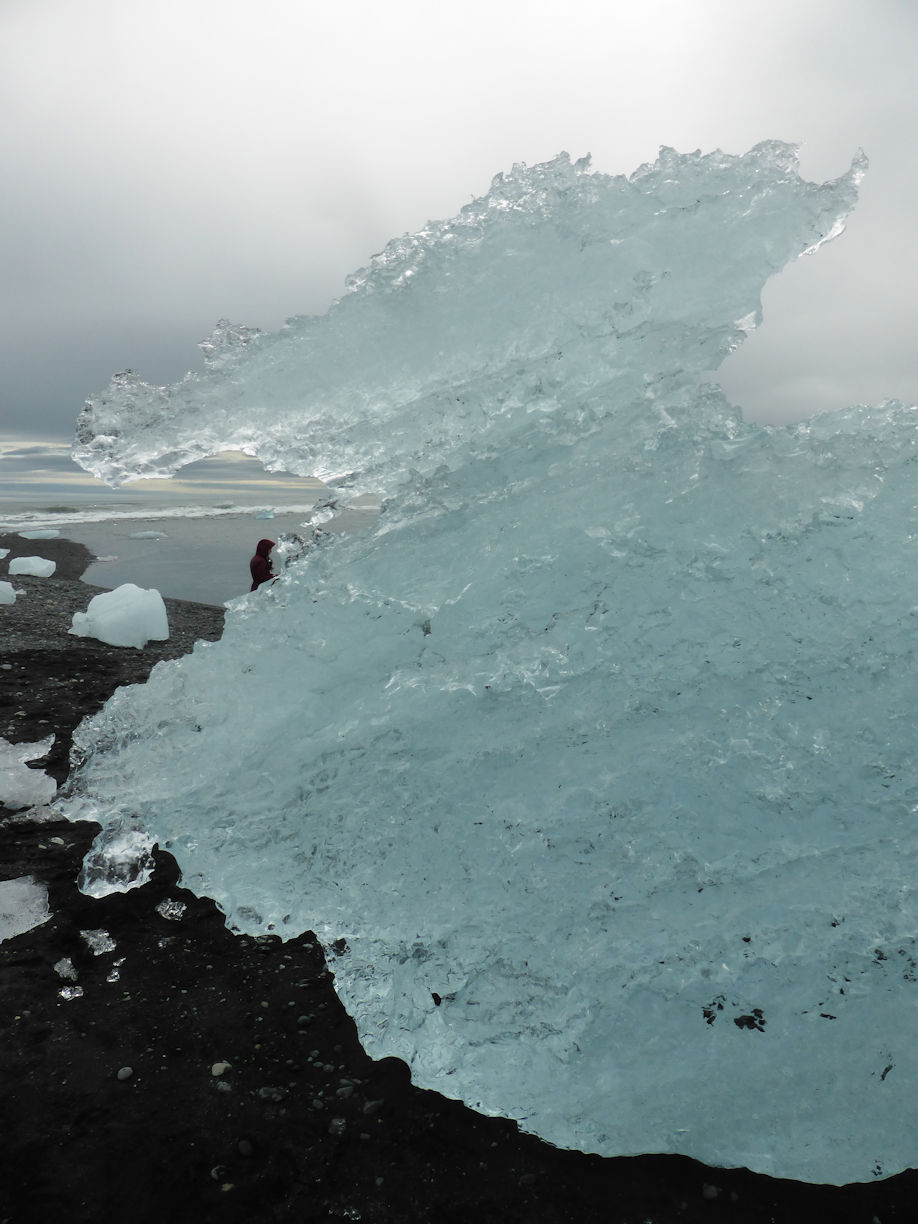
23	905
598	748
20	786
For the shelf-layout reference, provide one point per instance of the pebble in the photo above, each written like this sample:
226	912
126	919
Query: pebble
219	1067
246	1147
710	1192
270	1093
337	1126
125	1073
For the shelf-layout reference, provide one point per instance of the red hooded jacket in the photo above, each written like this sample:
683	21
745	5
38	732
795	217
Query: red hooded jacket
260	565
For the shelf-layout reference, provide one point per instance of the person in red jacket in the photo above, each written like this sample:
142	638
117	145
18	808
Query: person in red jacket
260	565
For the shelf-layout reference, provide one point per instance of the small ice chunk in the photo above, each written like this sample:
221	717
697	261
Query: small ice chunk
117	860
38	567
7	593
4	552
20	786
127	616
173	910
98	942
46	533
23	905
148	535
265	514
64	968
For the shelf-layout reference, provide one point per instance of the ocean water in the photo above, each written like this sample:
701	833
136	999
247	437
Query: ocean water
189	539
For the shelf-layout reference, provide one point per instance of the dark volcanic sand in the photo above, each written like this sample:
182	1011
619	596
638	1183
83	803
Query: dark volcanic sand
302	1126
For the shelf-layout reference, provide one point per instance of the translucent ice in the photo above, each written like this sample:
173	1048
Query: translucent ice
598	746
127	616
64	968
23	905
7	593
98	941
20	786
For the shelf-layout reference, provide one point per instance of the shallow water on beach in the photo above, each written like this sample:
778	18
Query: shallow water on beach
196	532
204	559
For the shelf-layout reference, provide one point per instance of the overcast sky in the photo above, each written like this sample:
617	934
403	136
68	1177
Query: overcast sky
166	163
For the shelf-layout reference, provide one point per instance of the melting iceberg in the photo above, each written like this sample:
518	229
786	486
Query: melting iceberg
598	748
127	616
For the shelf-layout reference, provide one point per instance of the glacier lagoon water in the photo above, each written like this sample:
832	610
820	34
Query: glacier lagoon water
598	747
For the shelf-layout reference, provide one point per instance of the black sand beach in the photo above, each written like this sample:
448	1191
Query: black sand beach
114	1105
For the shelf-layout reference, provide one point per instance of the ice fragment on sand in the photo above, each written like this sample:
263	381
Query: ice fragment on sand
98	942
20	786
23	905
119	859
37	567
127	616
7	593
173	910
44	533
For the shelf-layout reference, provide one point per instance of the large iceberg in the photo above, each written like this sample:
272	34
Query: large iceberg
594	757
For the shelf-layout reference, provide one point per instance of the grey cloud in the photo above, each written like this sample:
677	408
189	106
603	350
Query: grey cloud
135	215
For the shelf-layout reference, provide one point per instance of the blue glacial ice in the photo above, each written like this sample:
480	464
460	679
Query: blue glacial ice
598	747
